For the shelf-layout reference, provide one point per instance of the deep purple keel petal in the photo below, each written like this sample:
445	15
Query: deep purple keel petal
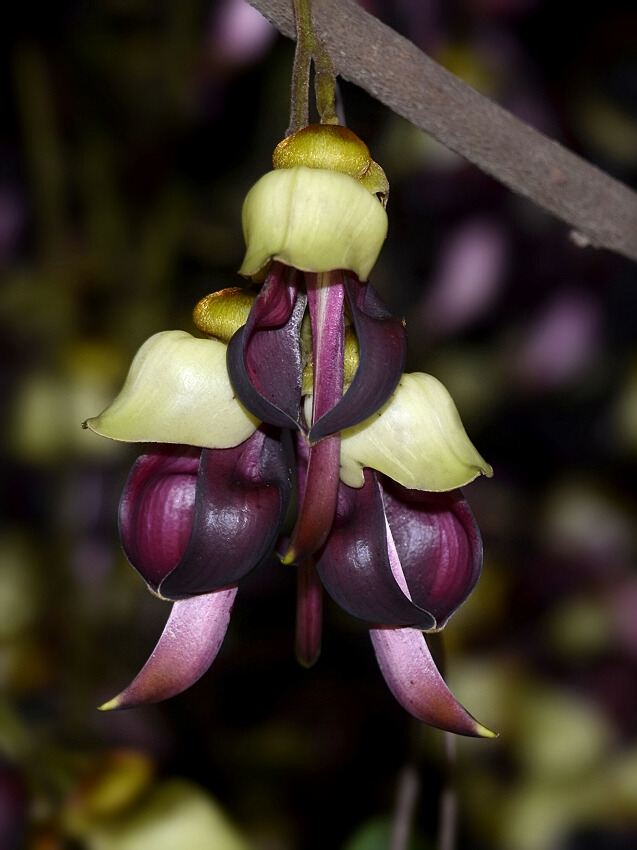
193	521
409	670
241	500
264	357
438	544
357	564
187	647
382	344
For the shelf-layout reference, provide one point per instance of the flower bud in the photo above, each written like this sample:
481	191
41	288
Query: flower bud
332	148
220	314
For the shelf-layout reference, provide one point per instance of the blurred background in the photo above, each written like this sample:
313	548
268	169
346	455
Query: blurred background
129	135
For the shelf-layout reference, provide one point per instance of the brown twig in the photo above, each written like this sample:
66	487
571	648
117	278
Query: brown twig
601	210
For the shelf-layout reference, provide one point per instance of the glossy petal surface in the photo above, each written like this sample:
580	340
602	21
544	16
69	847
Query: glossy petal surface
382	347
242	497
312	220
177	391
417	439
318	483
191	531
358	566
409	670
187	647
156	510
264	356
438	546
401	557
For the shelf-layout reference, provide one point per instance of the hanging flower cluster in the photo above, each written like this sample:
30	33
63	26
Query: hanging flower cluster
290	429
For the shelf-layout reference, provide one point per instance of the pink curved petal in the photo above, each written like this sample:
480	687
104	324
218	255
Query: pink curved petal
409	670
187	647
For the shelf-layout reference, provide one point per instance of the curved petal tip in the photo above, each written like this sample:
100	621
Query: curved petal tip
187	647
409	670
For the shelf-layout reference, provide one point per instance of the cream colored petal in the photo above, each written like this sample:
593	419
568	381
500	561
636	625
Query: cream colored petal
417	439
177	391
314	220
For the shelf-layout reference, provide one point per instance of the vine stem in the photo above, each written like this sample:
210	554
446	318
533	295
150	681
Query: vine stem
601	211
309	47
406	798
299	101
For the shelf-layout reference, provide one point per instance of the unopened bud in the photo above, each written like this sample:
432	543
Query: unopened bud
220	314
332	147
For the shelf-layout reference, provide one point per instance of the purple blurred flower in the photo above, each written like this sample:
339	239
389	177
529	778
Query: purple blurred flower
239	34
560	343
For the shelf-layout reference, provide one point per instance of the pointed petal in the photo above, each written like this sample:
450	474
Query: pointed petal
357	564
409	670
314	220
264	356
417	439
177	391
187	647
241	499
382	344
438	545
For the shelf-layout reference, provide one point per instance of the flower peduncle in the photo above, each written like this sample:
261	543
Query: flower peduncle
309	47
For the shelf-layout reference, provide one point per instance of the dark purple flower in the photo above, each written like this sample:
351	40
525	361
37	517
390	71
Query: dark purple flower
305	414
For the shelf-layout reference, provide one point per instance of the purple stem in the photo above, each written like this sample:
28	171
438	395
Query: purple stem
325	296
309	614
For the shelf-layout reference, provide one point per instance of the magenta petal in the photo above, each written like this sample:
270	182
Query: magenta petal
318	499
409	670
187	647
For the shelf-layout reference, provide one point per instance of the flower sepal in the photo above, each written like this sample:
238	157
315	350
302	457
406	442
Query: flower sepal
417	438
312	220
177	391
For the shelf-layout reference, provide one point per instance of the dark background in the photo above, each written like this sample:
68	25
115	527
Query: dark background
129	134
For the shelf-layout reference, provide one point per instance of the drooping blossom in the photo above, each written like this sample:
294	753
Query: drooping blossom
295	403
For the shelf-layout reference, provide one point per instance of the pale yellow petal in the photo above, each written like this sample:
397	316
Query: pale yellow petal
313	220
177	391
417	439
